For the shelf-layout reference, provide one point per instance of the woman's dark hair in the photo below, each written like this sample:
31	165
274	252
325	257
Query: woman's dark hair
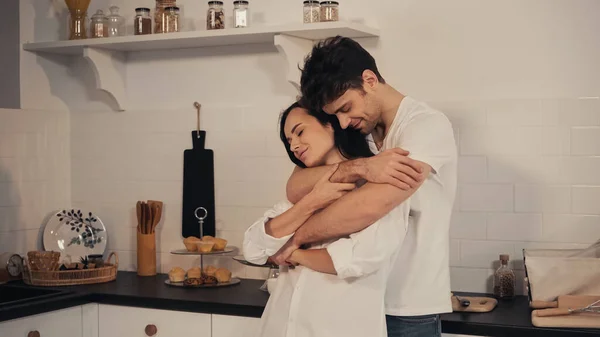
351	143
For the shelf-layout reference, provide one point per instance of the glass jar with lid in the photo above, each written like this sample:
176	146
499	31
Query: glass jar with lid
312	11
241	14
172	19
142	24
160	14
115	22
215	18
504	280
329	11
99	25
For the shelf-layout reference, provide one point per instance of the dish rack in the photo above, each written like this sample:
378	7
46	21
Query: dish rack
53	278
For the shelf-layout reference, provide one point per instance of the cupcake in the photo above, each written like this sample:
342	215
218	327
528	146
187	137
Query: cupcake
177	274
205	247
191	243
223	275
210	270
194	272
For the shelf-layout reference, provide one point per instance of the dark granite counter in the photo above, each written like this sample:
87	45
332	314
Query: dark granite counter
510	318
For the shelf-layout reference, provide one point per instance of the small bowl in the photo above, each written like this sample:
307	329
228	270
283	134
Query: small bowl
43	261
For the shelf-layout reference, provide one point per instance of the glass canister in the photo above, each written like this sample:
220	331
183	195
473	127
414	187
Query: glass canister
504	280
99	25
115	22
160	15
172	20
77	24
215	18
329	11
241	14
142	23
312	11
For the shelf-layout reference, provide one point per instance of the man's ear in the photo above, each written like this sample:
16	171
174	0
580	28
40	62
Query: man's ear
369	78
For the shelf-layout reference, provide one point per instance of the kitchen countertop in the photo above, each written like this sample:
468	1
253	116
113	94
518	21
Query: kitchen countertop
510	318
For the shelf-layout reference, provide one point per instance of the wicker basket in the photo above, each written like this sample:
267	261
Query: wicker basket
72	277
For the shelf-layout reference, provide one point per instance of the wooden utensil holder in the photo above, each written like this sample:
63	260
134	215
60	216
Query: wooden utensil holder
146	254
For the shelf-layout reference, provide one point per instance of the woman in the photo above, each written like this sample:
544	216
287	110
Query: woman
337	288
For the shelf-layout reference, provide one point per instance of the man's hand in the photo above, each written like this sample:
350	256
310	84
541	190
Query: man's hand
394	167
281	257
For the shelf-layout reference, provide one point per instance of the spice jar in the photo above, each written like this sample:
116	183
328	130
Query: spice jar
77	24
172	20
504	280
240	14
312	11
114	22
160	14
215	18
142	24
329	11
99	24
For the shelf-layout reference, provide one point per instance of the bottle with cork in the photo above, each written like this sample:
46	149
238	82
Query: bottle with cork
504	280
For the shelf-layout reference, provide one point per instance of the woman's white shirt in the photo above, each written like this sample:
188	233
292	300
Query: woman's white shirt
306	303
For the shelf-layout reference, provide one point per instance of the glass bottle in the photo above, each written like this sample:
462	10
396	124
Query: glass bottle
329	11
504	280
160	14
240	14
114	22
312	11
142	24
99	26
215	18
77	24
172	20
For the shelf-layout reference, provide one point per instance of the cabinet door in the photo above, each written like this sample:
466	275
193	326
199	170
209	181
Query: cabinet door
234	326
121	321
60	323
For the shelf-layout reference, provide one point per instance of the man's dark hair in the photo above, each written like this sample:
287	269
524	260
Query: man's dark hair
334	65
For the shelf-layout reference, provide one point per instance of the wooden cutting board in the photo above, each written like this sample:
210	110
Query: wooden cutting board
575	320
566	301
478	304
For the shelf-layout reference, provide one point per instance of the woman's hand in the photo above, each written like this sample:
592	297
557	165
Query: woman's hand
325	192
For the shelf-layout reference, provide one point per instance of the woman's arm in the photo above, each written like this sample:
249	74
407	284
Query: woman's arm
315	259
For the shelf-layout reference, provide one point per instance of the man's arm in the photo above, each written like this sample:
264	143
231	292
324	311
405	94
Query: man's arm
390	167
349	214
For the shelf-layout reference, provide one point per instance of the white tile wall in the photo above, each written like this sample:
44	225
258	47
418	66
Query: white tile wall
34	174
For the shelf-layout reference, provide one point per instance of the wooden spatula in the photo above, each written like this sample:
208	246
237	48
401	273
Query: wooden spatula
138	212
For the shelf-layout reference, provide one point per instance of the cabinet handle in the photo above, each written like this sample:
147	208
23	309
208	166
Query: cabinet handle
150	330
34	333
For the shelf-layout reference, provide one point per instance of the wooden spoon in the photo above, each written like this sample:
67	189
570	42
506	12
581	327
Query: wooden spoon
143	224
138	211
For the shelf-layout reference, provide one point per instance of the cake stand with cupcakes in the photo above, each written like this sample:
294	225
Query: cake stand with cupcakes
202	277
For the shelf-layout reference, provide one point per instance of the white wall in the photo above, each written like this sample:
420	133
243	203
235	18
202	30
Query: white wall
35	176
9	37
519	81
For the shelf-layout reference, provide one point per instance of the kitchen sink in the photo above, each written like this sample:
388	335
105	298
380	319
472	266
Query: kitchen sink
17	295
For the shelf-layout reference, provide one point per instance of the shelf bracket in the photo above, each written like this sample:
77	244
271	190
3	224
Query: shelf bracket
109	72
293	50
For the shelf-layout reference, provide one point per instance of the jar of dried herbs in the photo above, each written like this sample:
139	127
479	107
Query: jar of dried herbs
160	14
172	19
215	17
329	11
240	14
311	11
142	24
99	24
504	280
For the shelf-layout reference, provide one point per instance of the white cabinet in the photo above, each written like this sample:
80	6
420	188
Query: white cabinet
60	323
234	326
121	321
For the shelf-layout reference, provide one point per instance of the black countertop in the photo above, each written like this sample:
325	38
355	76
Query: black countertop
509	318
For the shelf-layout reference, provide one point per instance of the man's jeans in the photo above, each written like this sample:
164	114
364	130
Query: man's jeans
414	326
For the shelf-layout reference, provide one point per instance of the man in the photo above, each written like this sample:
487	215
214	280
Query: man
341	78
